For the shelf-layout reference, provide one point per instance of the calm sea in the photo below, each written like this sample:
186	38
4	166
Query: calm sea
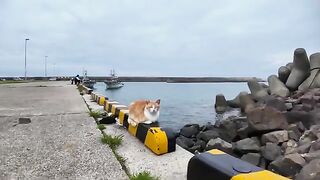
181	103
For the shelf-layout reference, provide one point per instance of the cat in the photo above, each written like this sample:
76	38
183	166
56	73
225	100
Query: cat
144	111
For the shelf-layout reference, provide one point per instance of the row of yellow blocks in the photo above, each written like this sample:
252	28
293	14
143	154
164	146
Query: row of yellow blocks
158	140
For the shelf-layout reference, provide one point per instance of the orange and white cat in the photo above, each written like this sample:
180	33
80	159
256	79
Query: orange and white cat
144	111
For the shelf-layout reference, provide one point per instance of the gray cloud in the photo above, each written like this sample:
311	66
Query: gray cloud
181	38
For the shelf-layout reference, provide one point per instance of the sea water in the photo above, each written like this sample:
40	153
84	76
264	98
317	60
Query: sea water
181	103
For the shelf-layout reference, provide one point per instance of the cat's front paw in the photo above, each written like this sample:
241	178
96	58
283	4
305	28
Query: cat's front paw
132	123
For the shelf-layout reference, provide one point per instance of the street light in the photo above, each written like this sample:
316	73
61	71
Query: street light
45	66
25	59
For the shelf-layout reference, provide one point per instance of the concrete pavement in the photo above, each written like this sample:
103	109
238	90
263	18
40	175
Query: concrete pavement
61	140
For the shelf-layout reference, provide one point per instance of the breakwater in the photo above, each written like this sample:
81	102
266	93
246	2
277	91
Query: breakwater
168	79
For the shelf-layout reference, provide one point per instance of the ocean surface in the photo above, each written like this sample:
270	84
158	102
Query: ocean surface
181	103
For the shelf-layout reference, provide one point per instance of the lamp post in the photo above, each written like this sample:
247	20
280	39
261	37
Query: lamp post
45	66
25	59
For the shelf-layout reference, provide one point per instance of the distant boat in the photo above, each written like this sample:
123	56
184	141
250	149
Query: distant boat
113	82
87	82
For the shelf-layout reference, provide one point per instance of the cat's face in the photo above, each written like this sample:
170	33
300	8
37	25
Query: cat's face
153	107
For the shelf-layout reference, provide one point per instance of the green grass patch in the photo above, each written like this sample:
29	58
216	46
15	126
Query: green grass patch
95	114
101	127
80	88
112	141
145	175
12	82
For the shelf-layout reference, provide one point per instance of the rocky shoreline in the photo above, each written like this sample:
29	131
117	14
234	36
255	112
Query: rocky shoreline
280	129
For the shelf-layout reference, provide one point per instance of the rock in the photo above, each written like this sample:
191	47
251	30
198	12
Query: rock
271	151
306	118
289	165
300	71
235	103
311	156
307	137
220	144
252	158
289	147
190	130
283	73
184	142
221	103
289	66
289	106
246	103
310	171
207	126
315	146
201	143
313	80
256	89
276	103
315	130
207	135
266	119
277	87
305	148
275	137
195	148
248	145
294	132
228	128
263	163
244	132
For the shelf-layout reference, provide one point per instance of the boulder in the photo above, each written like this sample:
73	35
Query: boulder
276	103
207	126
307	137
220	144
201	143
207	135
235	103
289	147
310	171
190	130
252	158
228	128
313	80
315	146
277	87
195	148
289	165
289	106
221	103
283	73
276	137
256	89
246	103
247	145
306	118
266	119
271	151
300	71
311	156
290	66
184	142
294	132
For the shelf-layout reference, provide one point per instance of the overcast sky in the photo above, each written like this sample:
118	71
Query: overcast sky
156	37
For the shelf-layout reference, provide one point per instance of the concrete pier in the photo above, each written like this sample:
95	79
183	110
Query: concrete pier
46	133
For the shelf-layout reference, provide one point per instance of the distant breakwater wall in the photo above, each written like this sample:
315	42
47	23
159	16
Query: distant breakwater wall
167	79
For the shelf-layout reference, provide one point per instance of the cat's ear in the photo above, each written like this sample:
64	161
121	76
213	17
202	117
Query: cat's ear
147	101
158	101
